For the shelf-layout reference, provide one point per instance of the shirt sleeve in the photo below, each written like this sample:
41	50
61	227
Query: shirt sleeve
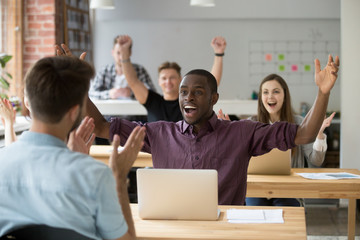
264	137
110	221
124	128
320	144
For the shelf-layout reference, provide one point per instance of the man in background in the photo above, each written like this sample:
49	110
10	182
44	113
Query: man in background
164	107
110	82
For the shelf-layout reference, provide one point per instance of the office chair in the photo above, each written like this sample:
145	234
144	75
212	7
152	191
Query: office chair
43	232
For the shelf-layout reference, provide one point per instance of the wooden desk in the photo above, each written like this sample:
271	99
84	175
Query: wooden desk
102	153
294	227
295	186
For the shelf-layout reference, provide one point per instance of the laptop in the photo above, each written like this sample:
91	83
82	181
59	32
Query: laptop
181	194
275	162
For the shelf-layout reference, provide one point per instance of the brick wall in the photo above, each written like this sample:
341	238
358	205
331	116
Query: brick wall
43	28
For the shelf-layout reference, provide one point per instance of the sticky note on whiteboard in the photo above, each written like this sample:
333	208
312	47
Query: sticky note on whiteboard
268	57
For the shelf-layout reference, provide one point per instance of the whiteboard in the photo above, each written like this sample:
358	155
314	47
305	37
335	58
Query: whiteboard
187	42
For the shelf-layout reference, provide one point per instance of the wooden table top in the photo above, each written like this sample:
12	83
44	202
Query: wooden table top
296	186
102	153
294	227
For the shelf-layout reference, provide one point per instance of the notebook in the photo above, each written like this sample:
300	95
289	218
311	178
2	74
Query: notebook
183	194
275	162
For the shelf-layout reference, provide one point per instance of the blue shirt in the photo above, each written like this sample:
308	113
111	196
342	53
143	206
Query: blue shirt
43	182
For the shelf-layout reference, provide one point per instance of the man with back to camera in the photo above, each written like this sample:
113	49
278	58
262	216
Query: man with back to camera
164	107
46	183
201	141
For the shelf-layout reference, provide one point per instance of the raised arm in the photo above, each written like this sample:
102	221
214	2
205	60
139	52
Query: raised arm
219	45
120	164
102	127
139	89
325	80
326	123
8	114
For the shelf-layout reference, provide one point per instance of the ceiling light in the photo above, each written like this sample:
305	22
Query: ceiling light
203	3
103	4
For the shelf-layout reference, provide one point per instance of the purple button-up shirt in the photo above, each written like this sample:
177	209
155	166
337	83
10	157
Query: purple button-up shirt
222	145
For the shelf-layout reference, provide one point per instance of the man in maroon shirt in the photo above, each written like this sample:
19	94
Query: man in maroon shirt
201	141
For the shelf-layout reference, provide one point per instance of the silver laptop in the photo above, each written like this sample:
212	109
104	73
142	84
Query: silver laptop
275	162
186	194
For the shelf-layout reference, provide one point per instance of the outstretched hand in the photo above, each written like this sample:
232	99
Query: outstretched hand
7	112
326	123
65	51
325	78
121	163
223	116
81	138
218	44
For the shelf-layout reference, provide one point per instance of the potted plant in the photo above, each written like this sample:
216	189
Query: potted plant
4	75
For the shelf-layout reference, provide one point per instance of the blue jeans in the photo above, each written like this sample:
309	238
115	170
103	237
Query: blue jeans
272	202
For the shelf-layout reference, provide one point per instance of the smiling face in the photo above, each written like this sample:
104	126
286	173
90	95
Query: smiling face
196	100
169	80
272	96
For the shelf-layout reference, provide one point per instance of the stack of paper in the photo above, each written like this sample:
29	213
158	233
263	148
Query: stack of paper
323	175
255	216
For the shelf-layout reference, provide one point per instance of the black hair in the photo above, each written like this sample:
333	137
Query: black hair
210	78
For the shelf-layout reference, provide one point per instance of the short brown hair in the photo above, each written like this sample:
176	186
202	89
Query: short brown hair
172	65
55	84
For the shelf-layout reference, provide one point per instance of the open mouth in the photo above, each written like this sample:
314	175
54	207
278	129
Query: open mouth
190	110
272	104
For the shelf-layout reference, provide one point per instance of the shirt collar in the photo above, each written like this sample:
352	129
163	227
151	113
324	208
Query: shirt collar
211	124
43	139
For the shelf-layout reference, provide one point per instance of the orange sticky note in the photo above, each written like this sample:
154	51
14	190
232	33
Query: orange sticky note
268	57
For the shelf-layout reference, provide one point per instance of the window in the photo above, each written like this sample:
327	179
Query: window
11	42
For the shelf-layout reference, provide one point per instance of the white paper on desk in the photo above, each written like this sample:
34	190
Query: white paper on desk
332	176
255	216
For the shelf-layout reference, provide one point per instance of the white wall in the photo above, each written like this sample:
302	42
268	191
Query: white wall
350	85
172	30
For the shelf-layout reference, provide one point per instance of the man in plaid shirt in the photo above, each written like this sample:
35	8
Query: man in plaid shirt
110	82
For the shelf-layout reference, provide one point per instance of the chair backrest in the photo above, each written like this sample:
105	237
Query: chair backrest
43	232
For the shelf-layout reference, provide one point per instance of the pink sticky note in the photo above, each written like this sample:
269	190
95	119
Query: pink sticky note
294	68
268	57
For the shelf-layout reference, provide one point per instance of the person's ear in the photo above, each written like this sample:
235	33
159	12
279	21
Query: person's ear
74	112
214	98
27	104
